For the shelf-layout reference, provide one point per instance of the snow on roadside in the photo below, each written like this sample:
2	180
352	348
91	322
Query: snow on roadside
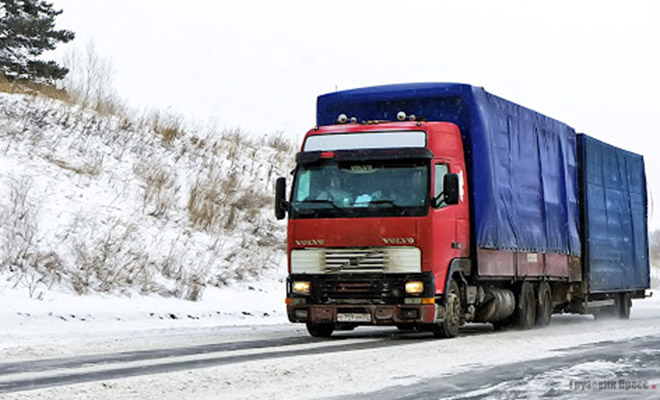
410	358
63	324
98	232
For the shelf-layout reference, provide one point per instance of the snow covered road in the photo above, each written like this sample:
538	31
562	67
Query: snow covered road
280	361
607	370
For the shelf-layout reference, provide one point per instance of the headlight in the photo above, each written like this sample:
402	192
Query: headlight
301	287
414	287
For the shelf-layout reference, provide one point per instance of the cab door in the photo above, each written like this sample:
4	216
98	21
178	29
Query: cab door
450	223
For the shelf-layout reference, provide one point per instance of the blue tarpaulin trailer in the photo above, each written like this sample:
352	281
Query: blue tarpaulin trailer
523	172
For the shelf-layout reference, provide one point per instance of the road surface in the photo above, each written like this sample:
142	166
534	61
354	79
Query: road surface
574	357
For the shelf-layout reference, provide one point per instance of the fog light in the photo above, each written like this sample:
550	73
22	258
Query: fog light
302	314
301	287
409	313
414	287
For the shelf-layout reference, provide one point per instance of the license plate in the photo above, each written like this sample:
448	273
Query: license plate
353	317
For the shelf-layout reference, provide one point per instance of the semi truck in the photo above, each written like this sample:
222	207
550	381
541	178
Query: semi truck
427	206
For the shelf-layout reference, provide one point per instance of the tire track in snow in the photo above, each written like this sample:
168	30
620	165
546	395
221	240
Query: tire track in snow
59	378
633	360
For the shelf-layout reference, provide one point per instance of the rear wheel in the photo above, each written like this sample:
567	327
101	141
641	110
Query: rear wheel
320	330
608	312
453	313
525	315
544	304
624	304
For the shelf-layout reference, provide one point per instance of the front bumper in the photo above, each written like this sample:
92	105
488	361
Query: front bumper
379	314
377	300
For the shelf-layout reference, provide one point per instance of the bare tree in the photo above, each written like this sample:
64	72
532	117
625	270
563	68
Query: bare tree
90	79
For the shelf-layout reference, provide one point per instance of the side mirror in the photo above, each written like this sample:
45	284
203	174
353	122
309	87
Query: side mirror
280	198
450	189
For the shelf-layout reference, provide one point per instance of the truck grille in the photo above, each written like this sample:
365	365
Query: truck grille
354	260
356	291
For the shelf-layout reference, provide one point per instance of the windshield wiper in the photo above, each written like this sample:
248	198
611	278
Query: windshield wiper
382	201
324	201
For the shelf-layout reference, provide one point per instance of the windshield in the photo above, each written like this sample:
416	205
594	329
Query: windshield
361	189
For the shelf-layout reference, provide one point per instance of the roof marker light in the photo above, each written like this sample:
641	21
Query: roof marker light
342	118
412	117
401	116
353	120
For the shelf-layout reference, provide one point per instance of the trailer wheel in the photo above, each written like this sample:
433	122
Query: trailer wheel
526	307
544	304
624	304
453	314
320	330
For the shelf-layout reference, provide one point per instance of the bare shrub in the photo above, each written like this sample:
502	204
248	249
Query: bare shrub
168	127
204	204
89	168
209	197
192	284
235	140
279	142
189	281
19	228
31	267
159	188
251	202
110	261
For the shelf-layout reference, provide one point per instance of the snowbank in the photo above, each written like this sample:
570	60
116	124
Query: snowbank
120	207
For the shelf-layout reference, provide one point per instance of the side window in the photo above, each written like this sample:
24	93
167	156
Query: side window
303	186
440	171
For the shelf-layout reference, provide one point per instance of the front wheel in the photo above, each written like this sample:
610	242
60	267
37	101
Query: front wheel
453	313
320	330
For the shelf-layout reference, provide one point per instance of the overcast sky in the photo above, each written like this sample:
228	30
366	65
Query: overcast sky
259	65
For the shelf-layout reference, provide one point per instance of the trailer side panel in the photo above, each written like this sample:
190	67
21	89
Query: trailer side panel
614	216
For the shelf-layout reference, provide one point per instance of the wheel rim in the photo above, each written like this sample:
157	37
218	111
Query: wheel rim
454	317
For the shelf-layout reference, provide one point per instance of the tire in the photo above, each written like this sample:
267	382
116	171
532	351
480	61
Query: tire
320	330
607	312
453	313
624	304
501	325
544	304
525	314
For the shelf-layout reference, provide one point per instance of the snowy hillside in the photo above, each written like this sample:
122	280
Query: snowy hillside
133	206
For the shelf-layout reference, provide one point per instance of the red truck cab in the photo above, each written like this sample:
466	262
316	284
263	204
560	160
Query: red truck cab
372	229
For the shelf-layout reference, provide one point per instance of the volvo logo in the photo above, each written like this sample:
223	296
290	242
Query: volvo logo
310	242
407	240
